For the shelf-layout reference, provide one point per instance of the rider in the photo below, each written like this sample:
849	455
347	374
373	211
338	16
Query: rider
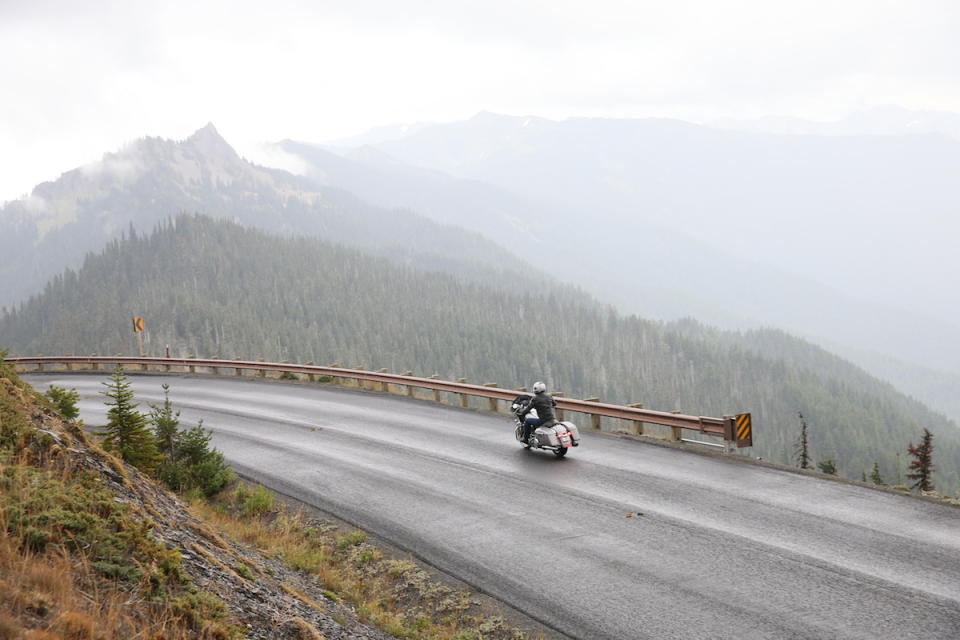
544	404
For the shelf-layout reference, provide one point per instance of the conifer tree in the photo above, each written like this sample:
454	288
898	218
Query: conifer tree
65	400
922	463
195	464
165	422
803	449
126	431
875	476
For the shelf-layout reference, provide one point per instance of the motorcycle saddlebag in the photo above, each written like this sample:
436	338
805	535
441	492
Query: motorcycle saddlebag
547	436
573	430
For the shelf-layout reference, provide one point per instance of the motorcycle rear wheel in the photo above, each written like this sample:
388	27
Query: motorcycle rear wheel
562	451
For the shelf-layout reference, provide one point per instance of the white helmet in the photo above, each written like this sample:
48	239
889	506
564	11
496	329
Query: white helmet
539	387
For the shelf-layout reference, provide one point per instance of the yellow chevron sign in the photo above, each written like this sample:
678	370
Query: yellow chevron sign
744	430
137	325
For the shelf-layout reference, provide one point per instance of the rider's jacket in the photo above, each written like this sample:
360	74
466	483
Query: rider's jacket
544	405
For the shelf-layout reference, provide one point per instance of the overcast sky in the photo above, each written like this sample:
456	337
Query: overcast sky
81	78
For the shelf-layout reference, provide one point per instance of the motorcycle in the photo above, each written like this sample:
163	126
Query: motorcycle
554	436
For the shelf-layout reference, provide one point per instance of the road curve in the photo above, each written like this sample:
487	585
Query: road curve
722	550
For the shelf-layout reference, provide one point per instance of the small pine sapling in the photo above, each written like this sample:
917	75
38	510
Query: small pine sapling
922	464
65	400
828	466
165	422
126	431
803	448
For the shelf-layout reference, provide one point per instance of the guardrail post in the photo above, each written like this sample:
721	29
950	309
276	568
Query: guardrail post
311	377
492	401
464	398
39	366
676	433
384	386
69	365
729	434
560	414
191	368
95	365
637	424
594	418
261	372
409	386
238	370
359	381
215	370
436	392
335	379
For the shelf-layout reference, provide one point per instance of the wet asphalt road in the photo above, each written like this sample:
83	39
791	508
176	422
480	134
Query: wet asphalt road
722	550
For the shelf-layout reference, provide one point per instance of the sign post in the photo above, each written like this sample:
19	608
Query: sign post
138	329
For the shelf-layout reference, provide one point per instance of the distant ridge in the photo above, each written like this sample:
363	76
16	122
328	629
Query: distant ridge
153	179
213	288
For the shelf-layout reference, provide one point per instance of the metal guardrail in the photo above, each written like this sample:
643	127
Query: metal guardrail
734	430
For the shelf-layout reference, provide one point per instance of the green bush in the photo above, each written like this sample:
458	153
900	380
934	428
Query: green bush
243	571
188	463
828	466
287	375
79	515
351	539
65	400
255	502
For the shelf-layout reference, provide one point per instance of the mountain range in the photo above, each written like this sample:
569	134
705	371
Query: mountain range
214	288
549	192
429	220
154	179
889	120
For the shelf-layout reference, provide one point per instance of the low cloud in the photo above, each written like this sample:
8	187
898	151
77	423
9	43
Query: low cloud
122	167
269	155
35	204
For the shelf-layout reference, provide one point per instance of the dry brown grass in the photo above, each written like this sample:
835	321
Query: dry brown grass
212	559
305	630
302	598
392	594
53	595
76	626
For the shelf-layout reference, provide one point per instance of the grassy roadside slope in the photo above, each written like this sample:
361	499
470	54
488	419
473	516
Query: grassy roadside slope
91	548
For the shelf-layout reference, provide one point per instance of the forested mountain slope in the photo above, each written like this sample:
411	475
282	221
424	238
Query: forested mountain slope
154	178
633	247
214	288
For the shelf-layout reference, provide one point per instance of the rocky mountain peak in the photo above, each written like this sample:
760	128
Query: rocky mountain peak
208	141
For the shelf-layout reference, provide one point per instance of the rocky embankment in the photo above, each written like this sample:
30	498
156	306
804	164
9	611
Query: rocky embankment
262	598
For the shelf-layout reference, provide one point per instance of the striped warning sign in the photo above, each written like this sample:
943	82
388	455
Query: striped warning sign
744	430
137	325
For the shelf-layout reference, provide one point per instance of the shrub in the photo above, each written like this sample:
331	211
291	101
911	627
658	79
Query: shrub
255	502
77	626
287	375
243	571
828	466
65	400
189	463
351	539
